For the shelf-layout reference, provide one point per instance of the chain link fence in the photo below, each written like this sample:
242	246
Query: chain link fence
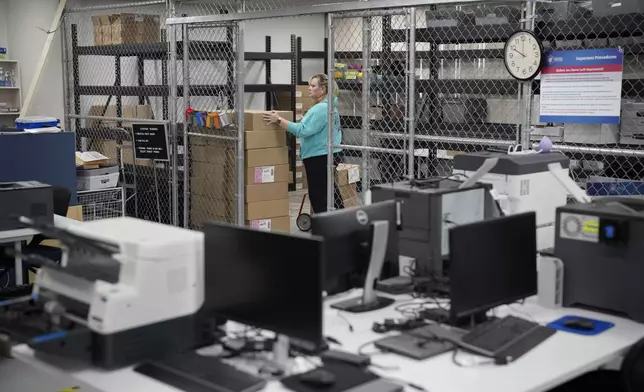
116	63
371	72
606	158
208	73
416	86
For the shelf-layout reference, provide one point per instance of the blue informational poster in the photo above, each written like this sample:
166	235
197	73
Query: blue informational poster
582	86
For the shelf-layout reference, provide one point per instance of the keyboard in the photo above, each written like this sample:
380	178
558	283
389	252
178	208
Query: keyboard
496	336
192	372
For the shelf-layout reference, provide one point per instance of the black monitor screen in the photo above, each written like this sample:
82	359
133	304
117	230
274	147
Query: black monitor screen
266	280
347	238
492	262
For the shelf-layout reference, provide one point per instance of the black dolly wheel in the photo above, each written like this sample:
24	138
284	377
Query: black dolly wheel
303	222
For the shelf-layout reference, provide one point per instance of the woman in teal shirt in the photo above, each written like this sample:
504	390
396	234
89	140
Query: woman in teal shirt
314	135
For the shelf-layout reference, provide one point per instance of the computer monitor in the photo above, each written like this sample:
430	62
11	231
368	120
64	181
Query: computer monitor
266	280
360	240
492	262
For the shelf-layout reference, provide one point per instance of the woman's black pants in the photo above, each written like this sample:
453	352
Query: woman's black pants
316	175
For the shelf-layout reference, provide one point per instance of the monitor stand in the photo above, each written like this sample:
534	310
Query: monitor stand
369	300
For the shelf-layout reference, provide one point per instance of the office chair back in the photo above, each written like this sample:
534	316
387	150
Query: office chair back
633	368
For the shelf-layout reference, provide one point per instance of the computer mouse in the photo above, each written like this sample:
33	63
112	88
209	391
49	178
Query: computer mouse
318	377
580	324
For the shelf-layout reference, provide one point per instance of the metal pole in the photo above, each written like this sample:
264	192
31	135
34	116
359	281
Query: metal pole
412	92
366	103
186	105
527	86
239	107
66	89
172	117
330	95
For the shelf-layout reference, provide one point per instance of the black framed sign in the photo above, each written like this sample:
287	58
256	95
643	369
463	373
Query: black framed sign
150	141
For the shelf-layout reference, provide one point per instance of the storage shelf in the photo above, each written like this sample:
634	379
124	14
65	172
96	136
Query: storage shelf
9	88
459	34
591	28
199	50
471	130
9	113
152	90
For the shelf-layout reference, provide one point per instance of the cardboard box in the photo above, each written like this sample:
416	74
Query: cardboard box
267	209
213	188
254	121
265	139
280	224
301	184
127	111
352	202
134	29
267	157
102	30
266	192
302	91
348	191
300	172
208	170
290	177
205	209
304	104
299	163
218	155
268	174
347	174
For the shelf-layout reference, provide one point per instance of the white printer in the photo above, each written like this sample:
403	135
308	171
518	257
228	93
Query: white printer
523	183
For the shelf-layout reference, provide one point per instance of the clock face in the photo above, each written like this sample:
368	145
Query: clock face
523	55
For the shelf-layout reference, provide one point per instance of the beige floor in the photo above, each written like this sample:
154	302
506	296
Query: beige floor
295	200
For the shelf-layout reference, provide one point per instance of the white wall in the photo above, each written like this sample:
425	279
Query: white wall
4	40
26	40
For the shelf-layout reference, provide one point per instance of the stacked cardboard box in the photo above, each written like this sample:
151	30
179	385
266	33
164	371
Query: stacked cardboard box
118	29
302	101
267	205
346	178
301	182
212	181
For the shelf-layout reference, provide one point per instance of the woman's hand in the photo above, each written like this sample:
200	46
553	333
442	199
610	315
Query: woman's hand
271	117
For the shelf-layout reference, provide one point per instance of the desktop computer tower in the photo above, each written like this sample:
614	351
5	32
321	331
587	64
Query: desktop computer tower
31	199
429	208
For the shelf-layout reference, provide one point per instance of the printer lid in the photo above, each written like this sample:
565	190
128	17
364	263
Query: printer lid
153	241
513	165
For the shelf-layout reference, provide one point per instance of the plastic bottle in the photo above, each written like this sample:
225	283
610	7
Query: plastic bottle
2	78
8	80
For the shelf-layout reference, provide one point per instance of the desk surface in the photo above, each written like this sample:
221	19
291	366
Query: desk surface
561	358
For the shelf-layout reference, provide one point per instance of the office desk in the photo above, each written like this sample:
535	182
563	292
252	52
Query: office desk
561	358
19	235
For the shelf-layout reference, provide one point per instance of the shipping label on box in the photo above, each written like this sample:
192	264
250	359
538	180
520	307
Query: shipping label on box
299	163
264	174
278	224
347	174
261	224
267	174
